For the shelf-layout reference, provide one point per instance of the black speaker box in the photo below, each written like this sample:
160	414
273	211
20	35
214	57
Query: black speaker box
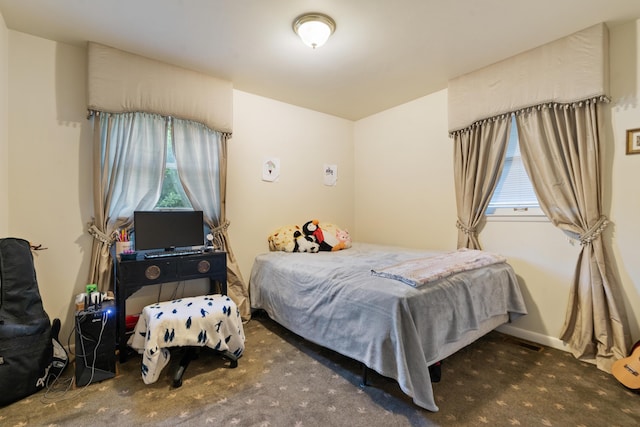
95	344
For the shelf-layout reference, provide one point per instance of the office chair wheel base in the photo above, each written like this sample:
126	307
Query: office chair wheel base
177	378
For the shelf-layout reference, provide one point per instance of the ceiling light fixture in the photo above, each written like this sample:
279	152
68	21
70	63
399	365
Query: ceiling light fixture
314	28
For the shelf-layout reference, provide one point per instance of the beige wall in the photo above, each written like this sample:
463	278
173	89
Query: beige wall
547	261
50	199
304	141
622	170
4	140
395	179
405	154
50	169
404	195
404	192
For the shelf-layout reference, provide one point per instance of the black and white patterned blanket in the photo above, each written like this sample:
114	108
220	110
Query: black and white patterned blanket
212	321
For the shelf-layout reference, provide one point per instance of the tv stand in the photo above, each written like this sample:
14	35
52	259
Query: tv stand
132	275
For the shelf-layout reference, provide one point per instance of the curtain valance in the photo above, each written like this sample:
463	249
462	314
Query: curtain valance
567	70
119	82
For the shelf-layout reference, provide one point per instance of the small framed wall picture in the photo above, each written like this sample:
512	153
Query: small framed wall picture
633	141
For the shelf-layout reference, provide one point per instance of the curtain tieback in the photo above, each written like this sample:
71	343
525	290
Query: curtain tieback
594	232
99	235
218	234
220	228
466	230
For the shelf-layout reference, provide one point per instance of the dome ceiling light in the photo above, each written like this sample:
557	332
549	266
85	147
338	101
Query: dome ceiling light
314	28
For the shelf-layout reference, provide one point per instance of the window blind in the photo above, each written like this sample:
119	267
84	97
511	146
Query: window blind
514	189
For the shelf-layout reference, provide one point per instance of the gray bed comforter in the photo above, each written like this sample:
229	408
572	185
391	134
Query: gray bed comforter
332	299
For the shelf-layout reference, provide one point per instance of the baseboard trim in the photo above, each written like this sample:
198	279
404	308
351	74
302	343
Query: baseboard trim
535	337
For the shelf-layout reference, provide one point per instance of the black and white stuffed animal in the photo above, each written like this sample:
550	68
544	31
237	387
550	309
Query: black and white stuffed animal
312	229
304	243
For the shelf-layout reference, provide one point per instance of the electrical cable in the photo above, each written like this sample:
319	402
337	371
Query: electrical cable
51	394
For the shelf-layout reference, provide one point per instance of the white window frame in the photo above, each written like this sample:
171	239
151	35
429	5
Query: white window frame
526	212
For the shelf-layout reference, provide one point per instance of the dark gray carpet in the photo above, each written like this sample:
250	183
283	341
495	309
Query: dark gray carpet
283	380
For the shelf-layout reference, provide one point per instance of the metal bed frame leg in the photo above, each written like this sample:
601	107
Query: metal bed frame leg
435	371
365	372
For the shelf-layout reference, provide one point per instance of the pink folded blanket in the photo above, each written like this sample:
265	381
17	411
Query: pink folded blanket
419	272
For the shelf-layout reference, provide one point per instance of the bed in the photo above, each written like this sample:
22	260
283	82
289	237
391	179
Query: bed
348	302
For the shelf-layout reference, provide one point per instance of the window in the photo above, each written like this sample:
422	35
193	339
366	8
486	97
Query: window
514	196
172	195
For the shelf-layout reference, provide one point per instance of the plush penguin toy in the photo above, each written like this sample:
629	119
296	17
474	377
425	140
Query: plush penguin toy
326	243
304	243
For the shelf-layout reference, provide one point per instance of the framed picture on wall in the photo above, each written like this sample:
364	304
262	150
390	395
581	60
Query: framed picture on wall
633	141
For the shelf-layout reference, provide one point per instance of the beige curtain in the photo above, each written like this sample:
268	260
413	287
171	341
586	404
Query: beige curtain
122	82
560	150
235	281
201	157
479	154
128	163
568	69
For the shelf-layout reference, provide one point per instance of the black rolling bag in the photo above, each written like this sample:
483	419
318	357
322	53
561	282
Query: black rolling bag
26	348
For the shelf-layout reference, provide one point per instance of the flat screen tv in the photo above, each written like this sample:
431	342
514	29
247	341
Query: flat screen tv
167	230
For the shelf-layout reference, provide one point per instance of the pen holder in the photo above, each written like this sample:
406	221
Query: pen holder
123	246
128	256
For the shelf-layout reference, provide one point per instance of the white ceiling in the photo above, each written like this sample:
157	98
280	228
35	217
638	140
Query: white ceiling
382	54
